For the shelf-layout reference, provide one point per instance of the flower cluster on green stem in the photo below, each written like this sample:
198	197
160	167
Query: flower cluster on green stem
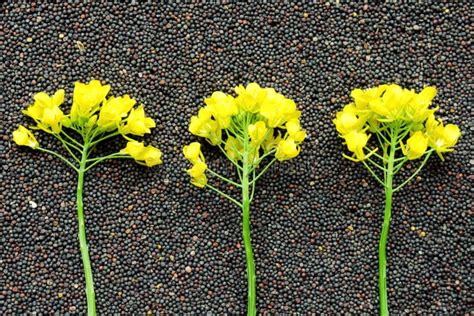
392	114
405	128
93	118
258	123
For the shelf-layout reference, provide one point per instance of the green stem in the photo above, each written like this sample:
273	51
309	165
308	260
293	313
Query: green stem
82	236
79	145
386	225
376	164
95	142
263	171
223	178
66	145
97	160
251	279
253	185
373	173
415	173
59	156
223	194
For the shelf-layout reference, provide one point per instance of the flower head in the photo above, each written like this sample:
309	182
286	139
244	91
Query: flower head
390	108
24	137
87	99
113	110
192	152
416	145
198	175
256	123
147	155
46	112
137	123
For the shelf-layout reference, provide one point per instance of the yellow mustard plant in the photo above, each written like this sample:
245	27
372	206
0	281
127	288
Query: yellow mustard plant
383	128
256	125
93	118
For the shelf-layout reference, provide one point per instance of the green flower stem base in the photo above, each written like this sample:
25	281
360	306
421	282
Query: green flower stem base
251	279
90	294
384	234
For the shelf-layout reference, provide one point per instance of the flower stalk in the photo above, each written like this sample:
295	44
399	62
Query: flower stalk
93	118
405	129
256	124
86	261
251	278
388	176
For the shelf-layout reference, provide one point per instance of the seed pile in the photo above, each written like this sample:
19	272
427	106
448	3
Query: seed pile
157	243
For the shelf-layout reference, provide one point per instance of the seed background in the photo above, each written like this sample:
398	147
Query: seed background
160	245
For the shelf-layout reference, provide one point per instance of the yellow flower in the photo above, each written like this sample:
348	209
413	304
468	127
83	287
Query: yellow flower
134	149
137	123
417	108
43	101
204	126
113	111
443	138
222	106
392	104
23	137
294	130
356	141
152	156
277	109
362	98
192	152
257	133
149	155
250	98
425	97
416	145
87	99
234	148
197	173
46	112
348	120
52	117
286	149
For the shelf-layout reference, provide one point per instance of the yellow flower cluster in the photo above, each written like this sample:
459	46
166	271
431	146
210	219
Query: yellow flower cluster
92	114
261	109
388	105
193	153
46	112
263	118
145	155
